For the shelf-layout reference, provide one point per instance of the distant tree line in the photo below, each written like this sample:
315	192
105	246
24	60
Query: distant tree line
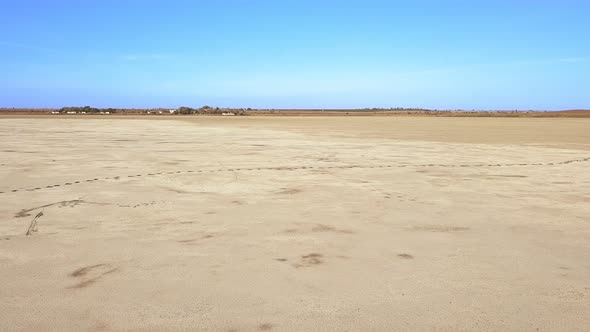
181	110
209	110
87	109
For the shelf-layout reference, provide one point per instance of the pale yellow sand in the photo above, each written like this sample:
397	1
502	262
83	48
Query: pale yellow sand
295	224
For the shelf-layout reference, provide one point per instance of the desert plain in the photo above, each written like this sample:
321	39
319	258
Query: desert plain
294	224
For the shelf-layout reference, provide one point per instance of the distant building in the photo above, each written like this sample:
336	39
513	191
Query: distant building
172	111
228	113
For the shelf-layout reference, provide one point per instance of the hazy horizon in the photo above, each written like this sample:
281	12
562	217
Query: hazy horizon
295	109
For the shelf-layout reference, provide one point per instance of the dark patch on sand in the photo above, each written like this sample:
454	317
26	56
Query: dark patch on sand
265	327
405	256
309	260
91	274
327	228
192	241
440	228
289	191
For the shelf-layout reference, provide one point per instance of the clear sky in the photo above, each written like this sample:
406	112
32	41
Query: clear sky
517	54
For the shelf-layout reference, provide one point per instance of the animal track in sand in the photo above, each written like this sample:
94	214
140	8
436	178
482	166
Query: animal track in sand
72	203
75	202
290	168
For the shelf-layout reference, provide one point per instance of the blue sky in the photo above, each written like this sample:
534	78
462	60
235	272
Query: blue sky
303	54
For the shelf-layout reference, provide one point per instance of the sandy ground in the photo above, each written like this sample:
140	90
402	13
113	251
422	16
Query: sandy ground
295	224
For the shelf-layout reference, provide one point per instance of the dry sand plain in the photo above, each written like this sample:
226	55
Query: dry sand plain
295	224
